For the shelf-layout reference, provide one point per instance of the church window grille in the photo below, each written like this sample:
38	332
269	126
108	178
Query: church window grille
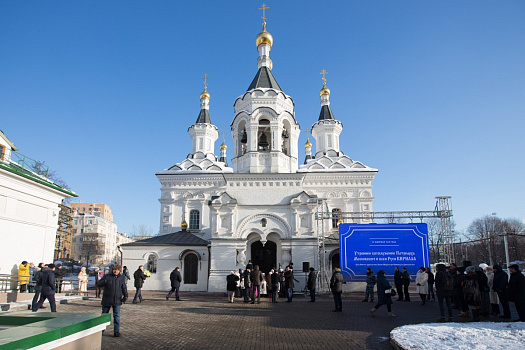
336	215
191	264
194	219
151	266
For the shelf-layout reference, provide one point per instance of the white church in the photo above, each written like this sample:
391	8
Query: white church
215	216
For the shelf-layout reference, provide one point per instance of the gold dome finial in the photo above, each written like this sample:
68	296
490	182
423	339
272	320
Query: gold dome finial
307	144
205	93
264	37
184	225
324	90
223	146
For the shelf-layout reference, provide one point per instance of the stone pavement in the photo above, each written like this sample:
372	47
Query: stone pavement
208	321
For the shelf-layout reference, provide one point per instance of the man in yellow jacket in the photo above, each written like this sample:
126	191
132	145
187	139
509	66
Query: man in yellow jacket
23	276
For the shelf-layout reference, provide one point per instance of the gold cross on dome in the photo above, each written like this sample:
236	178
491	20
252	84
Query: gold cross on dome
263	8
206	76
307	136
224	132
323	72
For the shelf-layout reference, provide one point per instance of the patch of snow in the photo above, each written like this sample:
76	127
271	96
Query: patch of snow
460	336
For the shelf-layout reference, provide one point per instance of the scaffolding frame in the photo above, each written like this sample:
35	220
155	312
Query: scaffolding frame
442	211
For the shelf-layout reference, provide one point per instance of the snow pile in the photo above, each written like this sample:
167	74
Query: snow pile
459	336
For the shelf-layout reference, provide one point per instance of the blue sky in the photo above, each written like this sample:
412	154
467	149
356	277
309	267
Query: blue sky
431	93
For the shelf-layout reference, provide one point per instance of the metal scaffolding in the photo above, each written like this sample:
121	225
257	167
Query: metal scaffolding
442	211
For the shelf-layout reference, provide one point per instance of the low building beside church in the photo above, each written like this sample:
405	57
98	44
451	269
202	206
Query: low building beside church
214	217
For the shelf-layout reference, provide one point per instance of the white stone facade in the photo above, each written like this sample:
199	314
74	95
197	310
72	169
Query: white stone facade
29	207
262	208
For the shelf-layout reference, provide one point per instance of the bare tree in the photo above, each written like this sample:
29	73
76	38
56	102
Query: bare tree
141	230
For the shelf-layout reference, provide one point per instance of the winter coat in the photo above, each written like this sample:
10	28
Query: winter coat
114	289
175	279
501	279
440	281
405	277
370	279
231	282
336	283
431	278
516	288
288	279
247	280
139	278
382	285
482	281
397	277
23	274
127	277
471	291
421	282
274	278
48	282
312	279
256	276
82	281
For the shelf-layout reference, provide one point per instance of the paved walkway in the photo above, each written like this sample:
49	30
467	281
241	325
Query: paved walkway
207	321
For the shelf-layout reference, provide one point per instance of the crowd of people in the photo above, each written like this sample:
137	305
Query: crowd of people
477	291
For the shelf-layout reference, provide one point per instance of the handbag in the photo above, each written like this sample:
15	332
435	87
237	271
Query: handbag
391	292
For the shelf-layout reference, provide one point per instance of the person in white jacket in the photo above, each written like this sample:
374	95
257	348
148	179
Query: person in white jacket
422	285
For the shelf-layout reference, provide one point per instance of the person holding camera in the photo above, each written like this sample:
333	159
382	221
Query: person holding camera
115	293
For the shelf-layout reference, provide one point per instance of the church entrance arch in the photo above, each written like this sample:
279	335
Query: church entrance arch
191	268
264	255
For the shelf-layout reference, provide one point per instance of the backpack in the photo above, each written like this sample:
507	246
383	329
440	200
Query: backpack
447	283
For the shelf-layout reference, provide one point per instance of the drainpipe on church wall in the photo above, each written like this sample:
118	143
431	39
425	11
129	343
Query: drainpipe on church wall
121	255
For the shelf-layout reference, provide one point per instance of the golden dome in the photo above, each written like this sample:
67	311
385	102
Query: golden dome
308	144
324	91
264	37
205	94
223	146
184	225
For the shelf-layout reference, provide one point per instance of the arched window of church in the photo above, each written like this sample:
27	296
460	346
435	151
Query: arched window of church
151	265
263	222
336	215
195	218
191	271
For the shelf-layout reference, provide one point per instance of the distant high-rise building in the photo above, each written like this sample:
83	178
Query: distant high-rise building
98	209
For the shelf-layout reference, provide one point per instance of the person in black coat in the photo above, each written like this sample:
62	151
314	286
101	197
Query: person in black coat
312	279
430	281
37	278
501	281
398	283
516	290
289	283
444	291
231	285
336	285
140	277
48	289
115	293
175	279
247	283
59	277
405	277
383	298
274	280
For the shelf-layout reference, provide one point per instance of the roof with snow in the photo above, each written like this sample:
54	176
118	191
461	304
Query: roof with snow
200	162
333	161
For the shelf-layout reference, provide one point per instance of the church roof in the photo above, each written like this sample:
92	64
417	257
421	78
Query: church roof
333	161
200	162
326	113
204	117
264	79
181	238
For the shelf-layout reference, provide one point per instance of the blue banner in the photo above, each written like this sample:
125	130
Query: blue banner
382	247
